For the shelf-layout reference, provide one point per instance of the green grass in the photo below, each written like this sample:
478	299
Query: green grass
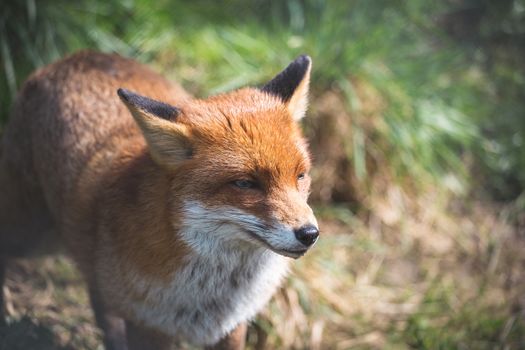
425	82
440	325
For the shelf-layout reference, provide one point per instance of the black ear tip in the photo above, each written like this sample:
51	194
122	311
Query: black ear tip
124	94
304	60
300	66
285	83
148	105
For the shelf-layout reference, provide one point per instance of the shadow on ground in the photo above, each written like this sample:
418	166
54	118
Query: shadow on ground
26	334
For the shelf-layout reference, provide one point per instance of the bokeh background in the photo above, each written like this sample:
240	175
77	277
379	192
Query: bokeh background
417	126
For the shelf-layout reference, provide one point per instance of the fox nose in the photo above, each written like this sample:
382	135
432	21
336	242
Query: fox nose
307	235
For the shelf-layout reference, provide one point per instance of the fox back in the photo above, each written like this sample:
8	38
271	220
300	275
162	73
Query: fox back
181	213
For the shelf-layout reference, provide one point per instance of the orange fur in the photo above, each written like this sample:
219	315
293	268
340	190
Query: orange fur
77	164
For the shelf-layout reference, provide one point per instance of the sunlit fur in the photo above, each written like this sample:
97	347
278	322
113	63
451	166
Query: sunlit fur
148	207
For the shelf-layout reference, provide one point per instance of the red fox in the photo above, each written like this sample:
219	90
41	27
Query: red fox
181	213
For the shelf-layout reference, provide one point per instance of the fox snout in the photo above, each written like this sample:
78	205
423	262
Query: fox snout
307	235
292	229
295	242
207	228
292	243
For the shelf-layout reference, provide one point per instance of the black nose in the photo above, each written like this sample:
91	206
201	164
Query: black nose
307	235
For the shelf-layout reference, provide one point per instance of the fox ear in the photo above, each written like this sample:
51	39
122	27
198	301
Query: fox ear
291	85
168	140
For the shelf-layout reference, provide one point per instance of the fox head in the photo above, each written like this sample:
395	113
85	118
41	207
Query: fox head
238	162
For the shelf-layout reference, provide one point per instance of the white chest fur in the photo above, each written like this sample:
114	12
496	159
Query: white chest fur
225	281
210	296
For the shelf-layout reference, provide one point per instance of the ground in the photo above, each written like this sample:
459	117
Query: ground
404	275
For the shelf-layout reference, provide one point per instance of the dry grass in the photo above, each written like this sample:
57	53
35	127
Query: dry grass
47	307
407	274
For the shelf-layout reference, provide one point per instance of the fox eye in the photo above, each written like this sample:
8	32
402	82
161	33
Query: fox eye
244	184
301	176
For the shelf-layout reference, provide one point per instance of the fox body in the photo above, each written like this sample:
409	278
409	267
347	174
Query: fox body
181	213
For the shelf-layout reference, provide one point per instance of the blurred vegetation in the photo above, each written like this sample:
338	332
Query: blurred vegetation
408	98
429	89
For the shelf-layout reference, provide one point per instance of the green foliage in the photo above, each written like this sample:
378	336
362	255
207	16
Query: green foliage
439	324
501	40
445	98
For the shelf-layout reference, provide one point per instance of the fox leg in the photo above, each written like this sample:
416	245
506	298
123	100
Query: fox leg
141	338
233	341
113	327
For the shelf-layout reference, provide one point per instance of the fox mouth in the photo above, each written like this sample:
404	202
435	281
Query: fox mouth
290	253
